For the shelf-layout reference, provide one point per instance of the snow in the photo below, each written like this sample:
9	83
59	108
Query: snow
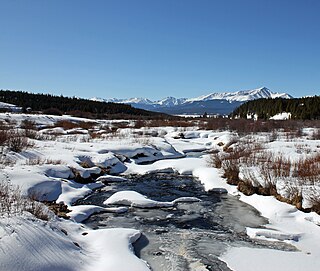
281	116
80	213
71	191
246	259
10	107
286	223
242	96
212	180
30	244
32	181
136	199
111	178
113	247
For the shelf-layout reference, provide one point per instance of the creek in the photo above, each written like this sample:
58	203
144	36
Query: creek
189	235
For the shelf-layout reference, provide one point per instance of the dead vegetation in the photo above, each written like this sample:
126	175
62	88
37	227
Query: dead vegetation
67	124
12	202
257	171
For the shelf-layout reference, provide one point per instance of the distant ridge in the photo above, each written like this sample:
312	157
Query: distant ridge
213	103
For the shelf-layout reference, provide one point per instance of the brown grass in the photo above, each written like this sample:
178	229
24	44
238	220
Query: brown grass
66	124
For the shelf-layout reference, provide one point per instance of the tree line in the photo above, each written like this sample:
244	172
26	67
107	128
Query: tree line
306	108
66	105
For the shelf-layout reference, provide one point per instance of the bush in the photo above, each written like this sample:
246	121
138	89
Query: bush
316	135
52	111
3	137
29	128
17	142
314	198
231	171
12	202
215	160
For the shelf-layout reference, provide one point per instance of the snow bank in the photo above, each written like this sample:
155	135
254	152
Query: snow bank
30	244
252	259
136	199
113	248
80	213
111	178
286	223
33	182
71	191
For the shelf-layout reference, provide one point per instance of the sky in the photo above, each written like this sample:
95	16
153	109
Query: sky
159	48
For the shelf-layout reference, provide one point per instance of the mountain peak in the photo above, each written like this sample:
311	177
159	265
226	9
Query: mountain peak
171	101
223	100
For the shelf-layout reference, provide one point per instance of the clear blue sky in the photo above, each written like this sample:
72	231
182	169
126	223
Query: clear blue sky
154	49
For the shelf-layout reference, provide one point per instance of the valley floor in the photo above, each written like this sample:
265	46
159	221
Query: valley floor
64	164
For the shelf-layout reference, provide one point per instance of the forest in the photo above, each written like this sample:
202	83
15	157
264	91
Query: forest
58	105
306	108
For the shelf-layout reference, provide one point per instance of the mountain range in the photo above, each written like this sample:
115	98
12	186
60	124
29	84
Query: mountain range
214	103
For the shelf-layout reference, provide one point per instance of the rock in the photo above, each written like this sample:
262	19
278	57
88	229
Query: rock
218	191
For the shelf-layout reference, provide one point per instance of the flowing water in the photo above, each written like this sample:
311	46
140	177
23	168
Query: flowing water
188	236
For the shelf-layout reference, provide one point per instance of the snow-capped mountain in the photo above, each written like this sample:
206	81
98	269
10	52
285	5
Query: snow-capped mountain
124	101
214	103
242	96
171	101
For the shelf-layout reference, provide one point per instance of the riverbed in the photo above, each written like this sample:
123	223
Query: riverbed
189	235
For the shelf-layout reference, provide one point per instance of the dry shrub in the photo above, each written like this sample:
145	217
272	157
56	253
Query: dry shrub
139	124
87	125
51	137
308	170
294	194
29	128
231	171
95	135
41	161
144	141
66	124
232	141
17	142
52	111
316	135
28	124
12	202
215	160
281	167
270	167
81	114
172	123
314	199
248	126
3	137
246	187
120	125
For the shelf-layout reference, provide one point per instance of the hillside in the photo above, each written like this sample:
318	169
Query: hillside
70	105
306	108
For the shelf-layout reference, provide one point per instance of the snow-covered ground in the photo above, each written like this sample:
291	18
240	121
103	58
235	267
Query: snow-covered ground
49	168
